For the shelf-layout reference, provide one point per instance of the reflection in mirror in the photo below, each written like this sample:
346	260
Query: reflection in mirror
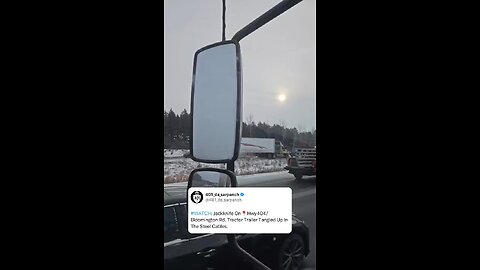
210	179
216	103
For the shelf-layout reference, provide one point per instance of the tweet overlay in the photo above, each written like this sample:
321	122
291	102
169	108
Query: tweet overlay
240	210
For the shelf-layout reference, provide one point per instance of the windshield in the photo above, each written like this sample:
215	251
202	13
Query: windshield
279	99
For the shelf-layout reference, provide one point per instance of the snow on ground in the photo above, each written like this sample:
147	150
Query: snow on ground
172	153
245	180
178	169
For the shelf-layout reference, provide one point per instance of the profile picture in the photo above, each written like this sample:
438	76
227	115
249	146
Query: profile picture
196	197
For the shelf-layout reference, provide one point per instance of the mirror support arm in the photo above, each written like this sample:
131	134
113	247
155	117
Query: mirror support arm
265	18
233	241
258	264
231	166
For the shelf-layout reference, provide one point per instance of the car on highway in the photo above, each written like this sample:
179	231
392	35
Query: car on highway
183	250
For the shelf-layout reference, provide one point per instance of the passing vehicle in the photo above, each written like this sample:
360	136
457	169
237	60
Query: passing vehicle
183	250
302	162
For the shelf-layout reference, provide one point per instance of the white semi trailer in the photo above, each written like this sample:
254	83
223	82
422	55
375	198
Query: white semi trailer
266	147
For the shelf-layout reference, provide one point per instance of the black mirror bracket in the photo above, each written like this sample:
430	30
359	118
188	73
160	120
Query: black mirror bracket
231	166
240	251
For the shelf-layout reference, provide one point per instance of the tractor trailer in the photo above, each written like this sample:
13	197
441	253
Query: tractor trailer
264	147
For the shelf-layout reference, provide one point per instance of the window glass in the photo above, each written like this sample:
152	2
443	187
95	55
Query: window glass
183	221
170	225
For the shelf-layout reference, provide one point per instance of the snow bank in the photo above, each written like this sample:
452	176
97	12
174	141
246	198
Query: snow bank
178	169
173	153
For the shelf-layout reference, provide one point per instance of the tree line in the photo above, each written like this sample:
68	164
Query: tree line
176	132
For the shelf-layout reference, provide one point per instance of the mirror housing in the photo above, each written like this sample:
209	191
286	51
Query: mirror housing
216	103
211	177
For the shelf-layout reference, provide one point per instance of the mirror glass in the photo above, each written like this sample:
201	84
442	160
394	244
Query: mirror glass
216	103
210	179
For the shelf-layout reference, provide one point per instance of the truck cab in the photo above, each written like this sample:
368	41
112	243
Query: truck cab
280	150
302	162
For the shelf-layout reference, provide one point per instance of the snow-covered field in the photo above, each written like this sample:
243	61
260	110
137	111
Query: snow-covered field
172	153
176	168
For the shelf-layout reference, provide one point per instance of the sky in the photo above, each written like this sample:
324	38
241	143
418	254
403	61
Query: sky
278	59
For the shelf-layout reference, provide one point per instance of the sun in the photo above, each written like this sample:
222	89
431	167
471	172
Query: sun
282	97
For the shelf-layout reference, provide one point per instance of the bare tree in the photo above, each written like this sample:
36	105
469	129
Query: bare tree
250	123
301	128
314	137
284	130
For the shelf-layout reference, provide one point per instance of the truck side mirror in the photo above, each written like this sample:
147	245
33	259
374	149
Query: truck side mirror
216	103
211	177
